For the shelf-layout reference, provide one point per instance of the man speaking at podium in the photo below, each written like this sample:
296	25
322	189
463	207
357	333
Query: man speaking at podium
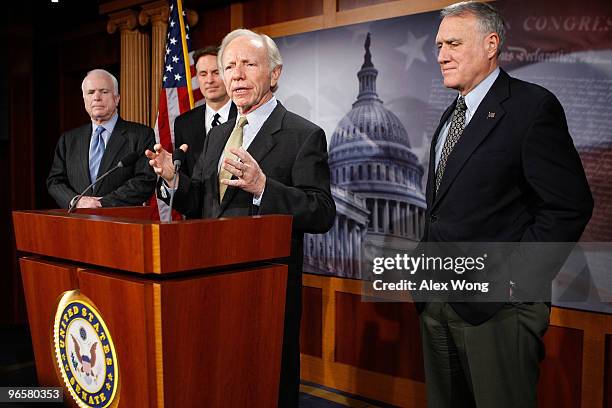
84	153
268	161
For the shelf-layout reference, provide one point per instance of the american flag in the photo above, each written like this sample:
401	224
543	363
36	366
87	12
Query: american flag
179	92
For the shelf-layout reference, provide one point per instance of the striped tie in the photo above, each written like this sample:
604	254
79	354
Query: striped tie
96	151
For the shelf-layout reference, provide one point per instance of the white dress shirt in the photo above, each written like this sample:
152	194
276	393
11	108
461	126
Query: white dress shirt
209	117
472	101
108	126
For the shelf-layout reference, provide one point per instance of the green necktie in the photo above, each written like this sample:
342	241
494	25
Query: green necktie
235	140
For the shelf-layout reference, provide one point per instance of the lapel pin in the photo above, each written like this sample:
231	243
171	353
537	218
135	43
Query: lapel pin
491	115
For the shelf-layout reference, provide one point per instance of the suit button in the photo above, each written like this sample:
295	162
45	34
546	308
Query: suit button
433	218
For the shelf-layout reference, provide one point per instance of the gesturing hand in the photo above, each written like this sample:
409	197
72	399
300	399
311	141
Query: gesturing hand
250	177
161	161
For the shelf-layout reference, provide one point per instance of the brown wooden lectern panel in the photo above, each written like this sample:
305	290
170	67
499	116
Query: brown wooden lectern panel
42	292
210	335
144	246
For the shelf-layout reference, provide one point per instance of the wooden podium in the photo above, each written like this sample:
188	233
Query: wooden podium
195	308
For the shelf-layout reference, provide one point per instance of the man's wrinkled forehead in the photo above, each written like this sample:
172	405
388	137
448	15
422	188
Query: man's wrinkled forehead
244	45
98	82
456	27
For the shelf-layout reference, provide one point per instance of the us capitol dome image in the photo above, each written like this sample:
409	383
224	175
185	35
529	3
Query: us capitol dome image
376	185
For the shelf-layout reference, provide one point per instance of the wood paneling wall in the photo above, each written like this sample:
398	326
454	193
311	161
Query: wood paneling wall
374	350
379	337
212	26
16	163
311	340
608	373
264	12
355	4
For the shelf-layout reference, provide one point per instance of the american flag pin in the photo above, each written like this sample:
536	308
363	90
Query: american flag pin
491	115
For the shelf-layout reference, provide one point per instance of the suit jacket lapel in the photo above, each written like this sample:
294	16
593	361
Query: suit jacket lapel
261	145
200	128
216	140
216	143
115	146
197	131
265	139
432	154
231	119
83	149
233	112
480	126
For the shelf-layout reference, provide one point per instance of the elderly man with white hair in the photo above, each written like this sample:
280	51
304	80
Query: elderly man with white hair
92	149
267	161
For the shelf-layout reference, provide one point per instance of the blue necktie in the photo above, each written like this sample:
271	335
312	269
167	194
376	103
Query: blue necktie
96	151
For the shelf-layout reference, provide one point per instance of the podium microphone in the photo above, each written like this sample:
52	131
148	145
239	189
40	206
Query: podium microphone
178	157
127	160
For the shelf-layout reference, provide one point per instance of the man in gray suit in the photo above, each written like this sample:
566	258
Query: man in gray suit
268	161
84	153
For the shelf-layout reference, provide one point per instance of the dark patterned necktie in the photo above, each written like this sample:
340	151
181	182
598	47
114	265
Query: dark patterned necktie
215	121
454	133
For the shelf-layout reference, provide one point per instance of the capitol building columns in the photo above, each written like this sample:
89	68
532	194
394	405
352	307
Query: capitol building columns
376	185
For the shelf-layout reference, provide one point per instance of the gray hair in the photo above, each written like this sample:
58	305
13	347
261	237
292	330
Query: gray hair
489	19
274	57
104	72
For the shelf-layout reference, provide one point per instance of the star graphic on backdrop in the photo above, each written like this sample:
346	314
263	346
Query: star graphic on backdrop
413	49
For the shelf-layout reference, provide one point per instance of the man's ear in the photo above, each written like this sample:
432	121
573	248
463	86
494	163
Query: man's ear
492	45
275	75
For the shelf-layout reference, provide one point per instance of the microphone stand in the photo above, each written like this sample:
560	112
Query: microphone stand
77	198
126	161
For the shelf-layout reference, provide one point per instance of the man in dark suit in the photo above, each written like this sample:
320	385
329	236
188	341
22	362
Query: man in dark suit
90	150
269	161
192	126
503	168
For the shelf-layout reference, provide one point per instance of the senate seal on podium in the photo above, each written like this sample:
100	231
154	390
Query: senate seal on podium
85	357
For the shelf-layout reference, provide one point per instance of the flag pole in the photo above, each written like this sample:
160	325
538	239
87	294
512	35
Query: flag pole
179	3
